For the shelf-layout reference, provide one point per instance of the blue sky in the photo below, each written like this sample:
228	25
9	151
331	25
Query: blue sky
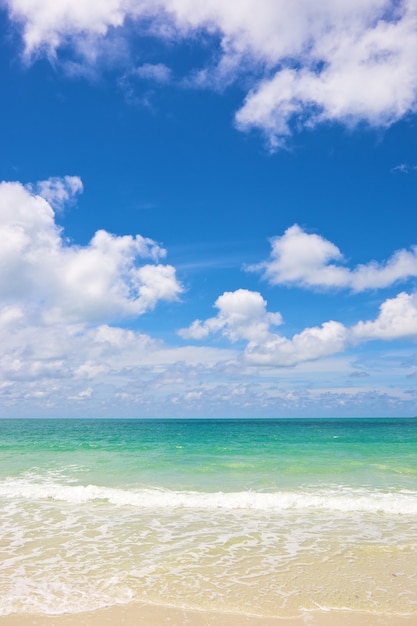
208	208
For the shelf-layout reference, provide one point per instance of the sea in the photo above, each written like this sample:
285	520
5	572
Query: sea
262	517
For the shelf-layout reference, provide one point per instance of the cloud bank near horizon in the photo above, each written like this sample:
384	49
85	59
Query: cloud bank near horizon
302	65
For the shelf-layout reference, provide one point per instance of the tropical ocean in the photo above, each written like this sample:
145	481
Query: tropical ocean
266	517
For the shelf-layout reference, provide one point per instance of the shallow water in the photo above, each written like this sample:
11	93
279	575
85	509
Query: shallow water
259	516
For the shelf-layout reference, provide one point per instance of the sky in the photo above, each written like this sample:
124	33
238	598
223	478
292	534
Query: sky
208	208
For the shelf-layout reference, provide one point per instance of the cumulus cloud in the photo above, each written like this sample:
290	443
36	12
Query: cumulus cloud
59	304
359	67
304	259
311	344
309	62
113	276
243	316
397	319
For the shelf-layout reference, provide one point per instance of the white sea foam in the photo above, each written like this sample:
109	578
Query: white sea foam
70	548
329	499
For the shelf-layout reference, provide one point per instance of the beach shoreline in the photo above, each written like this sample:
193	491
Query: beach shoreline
138	614
304	531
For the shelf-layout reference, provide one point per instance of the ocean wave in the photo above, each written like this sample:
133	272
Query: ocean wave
331	499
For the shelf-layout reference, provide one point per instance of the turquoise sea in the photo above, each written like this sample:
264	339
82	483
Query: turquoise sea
269	517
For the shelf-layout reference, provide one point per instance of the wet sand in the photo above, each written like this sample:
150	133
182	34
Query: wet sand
135	614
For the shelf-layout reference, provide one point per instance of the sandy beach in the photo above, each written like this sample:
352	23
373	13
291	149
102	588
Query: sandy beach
136	614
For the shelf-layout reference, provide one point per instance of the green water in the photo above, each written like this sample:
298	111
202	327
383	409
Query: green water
252	516
212	454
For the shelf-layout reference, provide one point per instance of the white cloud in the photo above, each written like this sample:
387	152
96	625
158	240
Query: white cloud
359	67
243	316
108	370
311	344
157	72
303	259
58	364
403	168
102	281
397	320
59	191
48	23
54	296
309	62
